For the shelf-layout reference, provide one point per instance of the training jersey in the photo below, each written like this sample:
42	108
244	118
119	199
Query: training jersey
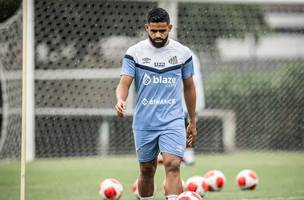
158	74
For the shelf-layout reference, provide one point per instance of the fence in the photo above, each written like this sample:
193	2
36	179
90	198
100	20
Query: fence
251	57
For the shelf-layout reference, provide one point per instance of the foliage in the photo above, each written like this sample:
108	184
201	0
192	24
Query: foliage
201	24
268	106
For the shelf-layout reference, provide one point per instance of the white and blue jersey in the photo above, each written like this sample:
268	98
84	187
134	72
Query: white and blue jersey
158	74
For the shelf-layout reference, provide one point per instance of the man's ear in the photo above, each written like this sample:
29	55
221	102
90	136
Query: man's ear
147	27
170	27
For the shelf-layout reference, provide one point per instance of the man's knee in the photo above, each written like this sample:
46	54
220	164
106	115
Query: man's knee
172	164
147	169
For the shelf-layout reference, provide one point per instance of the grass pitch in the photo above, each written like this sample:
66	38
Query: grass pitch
281	176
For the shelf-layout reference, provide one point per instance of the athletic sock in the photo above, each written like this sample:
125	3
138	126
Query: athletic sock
171	197
189	156
146	198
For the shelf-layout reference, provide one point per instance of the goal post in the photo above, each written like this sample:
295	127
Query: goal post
28	68
229	125
28	101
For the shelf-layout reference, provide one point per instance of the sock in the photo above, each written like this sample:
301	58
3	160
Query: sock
171	197
146	198
189	156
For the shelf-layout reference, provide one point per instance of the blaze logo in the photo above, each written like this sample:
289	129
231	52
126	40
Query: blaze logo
171	81
147	79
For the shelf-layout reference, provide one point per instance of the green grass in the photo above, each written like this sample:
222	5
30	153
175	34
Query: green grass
281	176
9	180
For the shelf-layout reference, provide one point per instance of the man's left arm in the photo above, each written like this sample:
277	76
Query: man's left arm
190	100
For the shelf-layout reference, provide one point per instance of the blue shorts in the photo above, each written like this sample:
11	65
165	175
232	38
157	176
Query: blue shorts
149	143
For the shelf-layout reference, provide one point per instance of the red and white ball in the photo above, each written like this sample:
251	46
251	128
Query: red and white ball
215	180
189	195
165	188
110	189
135	189
247	179
197	184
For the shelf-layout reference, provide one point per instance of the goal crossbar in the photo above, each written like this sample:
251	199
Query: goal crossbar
66	74
230	1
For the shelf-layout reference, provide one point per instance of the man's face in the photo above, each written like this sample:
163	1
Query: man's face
158	33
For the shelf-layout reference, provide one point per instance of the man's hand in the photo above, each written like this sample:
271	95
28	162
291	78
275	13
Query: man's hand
191	134
122	91
120	108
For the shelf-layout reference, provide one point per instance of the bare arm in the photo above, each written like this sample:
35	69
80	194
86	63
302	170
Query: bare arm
190	100
122	92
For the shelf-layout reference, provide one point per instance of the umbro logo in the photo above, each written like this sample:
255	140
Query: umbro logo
146	60
173	60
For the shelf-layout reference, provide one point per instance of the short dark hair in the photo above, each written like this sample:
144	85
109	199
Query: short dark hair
158	15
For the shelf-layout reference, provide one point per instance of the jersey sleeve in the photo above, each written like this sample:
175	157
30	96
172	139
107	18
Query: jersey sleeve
187	70
128	64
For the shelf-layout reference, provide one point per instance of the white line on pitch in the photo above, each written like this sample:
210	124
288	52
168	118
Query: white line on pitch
277	198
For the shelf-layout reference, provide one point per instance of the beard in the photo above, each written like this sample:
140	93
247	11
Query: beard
158	44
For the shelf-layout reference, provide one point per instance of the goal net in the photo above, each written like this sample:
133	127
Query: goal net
10	76
251	58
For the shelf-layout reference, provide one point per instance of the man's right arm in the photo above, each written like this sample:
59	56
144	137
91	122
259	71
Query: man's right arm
122	92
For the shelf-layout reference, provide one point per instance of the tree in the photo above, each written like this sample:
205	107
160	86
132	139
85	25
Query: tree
201	24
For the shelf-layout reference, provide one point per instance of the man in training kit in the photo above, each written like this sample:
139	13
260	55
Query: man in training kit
159	67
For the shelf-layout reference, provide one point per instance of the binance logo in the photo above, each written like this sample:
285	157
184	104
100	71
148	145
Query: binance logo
144	101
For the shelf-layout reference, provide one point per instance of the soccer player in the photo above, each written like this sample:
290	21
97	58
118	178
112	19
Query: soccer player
160	67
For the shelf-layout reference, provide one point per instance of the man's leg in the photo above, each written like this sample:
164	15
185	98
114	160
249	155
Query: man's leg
146	143
172	144
173	179
146	179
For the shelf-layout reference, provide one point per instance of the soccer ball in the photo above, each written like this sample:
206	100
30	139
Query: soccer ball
135	189
215	180
247	179
164	186
110	189
197	184
189	195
